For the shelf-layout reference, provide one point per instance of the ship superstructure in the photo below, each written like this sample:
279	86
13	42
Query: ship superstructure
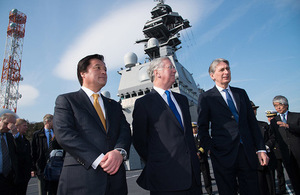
161	39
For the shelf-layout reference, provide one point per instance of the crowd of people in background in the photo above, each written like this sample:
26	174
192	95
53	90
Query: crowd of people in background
95	137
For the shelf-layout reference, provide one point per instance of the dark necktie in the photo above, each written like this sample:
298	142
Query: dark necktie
50	142
5	157
283	118
231	105
173	108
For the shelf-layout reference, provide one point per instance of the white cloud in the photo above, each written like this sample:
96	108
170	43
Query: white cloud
114	35
29	95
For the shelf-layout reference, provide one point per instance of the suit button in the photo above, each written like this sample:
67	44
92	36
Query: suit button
232	116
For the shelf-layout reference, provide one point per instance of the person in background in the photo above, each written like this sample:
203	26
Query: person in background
286	127
266	177
94	133
41	147
203	158
24	157
235	145
281	189
163	136
8	155
13	129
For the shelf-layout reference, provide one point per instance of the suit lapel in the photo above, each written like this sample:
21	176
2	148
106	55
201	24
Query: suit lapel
289	117
182	108
108	109
163	105
236	97
215	93
86	103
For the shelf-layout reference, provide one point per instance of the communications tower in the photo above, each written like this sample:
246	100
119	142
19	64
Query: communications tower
12	60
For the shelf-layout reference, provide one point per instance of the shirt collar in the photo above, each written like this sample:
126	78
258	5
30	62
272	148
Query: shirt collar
89	92
220	89
17	135
285	114
47	130
160	90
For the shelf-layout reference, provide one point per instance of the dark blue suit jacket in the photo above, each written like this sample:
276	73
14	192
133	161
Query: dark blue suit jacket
225	131
169	151
79	131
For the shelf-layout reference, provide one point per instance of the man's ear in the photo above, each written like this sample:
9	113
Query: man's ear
156	74
212	76
82	74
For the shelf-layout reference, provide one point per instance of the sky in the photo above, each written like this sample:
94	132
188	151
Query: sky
260	38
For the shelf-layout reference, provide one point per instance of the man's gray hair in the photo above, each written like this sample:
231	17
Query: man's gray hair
7	115
154	65
280	99
213	65
47	118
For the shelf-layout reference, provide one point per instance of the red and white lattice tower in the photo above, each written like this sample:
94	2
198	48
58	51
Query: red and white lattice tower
12	61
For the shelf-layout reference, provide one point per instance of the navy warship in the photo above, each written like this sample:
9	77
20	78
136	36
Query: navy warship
161	39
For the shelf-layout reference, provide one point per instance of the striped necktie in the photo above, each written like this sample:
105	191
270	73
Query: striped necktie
283	118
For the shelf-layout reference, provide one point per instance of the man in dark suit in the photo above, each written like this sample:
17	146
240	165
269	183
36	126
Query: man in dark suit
286	126
24	157
8	155
93	131
162	136
41	148
279	164
235	144
203	158
266	178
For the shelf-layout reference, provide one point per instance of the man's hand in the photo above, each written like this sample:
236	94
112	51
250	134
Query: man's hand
111	162
263	158
282	124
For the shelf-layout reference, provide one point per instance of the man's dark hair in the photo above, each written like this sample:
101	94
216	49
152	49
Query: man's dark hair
84	63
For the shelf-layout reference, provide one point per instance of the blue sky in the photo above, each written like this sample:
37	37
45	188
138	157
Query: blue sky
260	38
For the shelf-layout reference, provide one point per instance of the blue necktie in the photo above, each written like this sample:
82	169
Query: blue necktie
173	108
231	105
283	118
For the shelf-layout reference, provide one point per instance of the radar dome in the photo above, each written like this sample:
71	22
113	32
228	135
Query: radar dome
106	94
12	25
130	59
14	11
152	42
3	111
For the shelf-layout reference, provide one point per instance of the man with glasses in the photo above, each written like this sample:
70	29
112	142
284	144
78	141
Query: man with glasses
163	137
286	126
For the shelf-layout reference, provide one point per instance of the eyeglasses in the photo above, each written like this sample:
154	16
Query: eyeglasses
171	67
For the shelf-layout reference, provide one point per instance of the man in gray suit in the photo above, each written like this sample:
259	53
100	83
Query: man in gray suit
93	131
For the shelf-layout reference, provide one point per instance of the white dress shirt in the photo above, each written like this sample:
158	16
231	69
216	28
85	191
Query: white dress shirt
223	93
89	93
162	93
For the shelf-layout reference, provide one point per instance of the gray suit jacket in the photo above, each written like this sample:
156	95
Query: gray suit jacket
79	131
